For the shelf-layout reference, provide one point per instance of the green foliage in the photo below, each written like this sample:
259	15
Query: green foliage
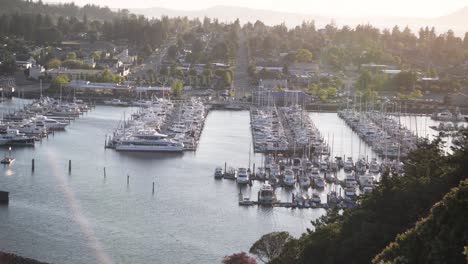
59	81
437	238
177	87
76	64
270	246
105	77
303	55
8	65
394	206
71	56
53	63
239	258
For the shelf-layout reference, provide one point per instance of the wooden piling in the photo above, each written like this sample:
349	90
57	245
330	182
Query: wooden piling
128	179
225	165
69	166
104	172
32	165
4	197
153	187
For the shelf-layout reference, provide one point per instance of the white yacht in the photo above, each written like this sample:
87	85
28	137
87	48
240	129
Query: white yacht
266	195
348	164
242	176
319	183
116	102
49	123
323	165
304	181
13	137
374	166
150	143
289	179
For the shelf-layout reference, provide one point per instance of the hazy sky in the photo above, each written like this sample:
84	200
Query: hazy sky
412	8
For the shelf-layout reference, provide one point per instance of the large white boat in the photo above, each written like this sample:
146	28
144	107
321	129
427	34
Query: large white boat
289	179
349	164
150	143
242	176
116	102
266	195
49	123
13	137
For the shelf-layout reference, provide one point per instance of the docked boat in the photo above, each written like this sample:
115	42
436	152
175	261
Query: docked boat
230	173
242	176
13	137
348	164
218	174
332	198
350	180
49	123
266	194
149	143
350	191
304	181
319	183
289	179
374	166
116	102
323	166
366	180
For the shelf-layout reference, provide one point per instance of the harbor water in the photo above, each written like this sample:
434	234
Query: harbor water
88	216
84	217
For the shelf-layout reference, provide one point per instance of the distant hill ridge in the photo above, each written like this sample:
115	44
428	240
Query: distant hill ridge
457	21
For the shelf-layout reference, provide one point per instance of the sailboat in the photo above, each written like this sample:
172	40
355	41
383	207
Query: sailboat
7	159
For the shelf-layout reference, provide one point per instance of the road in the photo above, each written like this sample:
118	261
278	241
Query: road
241	78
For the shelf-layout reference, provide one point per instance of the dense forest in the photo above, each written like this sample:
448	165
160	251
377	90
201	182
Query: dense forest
341	47
93	12
365	233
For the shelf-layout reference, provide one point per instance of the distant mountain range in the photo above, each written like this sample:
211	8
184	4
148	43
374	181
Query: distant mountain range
456	21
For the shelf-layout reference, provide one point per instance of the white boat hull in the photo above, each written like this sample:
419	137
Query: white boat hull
148	148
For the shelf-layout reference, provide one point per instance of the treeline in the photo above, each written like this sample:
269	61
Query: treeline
340	47
358	235
436	238
67	10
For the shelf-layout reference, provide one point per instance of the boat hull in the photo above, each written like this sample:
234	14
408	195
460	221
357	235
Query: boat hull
148	148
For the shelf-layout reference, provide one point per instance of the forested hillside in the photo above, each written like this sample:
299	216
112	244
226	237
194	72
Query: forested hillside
359	234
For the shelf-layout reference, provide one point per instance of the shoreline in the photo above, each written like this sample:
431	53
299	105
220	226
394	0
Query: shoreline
10	258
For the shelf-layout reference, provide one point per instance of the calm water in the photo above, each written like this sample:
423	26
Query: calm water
83	217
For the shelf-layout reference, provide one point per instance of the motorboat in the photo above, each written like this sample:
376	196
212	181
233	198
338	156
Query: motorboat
366	180
266	194
218	174
319	183
374	166
149	143
350	191
13	137
348	164
242	176
323	166
7	159
350	180
116	102
230	173
332	198
304	181
289	179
